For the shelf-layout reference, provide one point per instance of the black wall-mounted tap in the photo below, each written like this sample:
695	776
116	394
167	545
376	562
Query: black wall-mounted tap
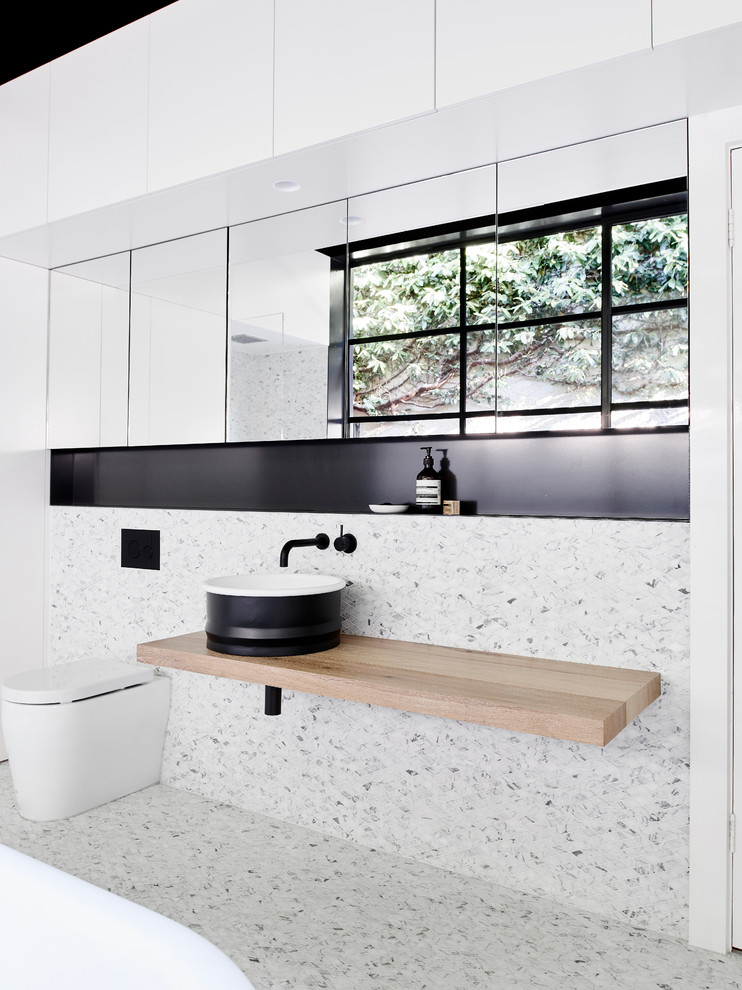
321	541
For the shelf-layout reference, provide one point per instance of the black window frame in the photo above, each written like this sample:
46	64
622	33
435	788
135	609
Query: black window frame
607	210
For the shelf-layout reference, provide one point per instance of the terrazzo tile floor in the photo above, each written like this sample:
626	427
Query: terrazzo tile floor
301	911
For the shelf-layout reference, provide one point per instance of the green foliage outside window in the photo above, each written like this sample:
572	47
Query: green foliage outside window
522	280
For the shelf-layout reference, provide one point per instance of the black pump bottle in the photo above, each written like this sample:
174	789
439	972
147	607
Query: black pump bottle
428	489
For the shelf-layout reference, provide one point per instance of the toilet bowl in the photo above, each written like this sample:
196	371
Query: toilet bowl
81	734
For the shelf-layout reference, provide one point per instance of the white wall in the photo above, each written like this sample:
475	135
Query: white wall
602	830
23	467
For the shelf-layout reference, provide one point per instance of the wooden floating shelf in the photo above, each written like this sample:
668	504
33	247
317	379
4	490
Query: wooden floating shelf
578	702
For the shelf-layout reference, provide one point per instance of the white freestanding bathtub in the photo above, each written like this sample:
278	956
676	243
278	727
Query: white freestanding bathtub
60	932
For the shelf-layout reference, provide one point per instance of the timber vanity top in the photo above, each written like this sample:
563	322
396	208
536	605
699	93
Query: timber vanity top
573	701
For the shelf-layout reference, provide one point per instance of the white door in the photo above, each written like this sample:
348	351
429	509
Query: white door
736	235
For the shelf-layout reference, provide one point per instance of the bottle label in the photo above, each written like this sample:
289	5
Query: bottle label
428	492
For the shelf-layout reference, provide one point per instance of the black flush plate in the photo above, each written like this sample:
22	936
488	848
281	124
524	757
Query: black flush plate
140	548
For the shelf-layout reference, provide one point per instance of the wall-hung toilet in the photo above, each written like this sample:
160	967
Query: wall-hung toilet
83	733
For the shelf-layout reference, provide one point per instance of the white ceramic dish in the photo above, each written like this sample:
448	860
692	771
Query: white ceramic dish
389	507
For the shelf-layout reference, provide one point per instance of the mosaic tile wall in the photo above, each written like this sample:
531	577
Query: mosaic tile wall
605	830
262	406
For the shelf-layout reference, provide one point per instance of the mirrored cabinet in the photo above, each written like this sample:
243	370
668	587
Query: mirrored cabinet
177	380
418	255
89	353
537	295
222	336
283	273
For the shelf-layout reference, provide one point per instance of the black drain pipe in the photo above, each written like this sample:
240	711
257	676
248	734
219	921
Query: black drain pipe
272	700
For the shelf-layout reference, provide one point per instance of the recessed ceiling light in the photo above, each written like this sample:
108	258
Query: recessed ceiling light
352	221
286	185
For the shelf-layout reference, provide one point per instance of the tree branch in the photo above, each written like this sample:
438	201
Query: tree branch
410	396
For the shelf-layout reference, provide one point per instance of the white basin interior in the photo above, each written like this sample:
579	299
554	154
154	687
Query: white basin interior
273	585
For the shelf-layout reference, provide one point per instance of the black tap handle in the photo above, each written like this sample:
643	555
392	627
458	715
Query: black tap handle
346	543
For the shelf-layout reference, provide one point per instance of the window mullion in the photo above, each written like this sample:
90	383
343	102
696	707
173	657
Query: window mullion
462	340
497	315
606	326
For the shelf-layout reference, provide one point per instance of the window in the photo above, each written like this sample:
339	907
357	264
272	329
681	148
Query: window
569	318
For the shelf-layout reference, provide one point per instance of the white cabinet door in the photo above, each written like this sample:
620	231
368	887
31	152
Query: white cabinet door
210	88
347	66
24	125
675	19
484	46
89	353
98	123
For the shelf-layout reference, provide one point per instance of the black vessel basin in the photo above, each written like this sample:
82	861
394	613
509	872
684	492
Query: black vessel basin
273	615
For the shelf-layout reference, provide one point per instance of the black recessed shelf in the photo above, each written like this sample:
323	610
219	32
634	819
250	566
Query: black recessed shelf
615	474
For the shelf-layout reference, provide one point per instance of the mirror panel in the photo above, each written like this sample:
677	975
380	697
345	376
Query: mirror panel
417	253
282	274
159	346
650	154
89	353
592	363
178	341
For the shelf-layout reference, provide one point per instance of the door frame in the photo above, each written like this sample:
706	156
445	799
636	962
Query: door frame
711	140
736	310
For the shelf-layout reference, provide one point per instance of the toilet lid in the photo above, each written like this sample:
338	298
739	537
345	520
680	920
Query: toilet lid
72	681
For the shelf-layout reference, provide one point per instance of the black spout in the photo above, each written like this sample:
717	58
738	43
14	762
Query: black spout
321	541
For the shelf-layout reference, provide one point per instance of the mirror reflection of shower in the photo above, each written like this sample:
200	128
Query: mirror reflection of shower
279	324
256	378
